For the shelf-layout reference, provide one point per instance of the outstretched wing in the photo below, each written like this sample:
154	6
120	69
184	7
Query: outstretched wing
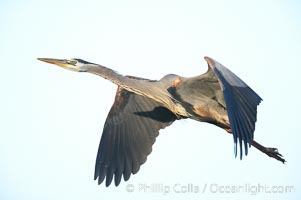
130	130
241	102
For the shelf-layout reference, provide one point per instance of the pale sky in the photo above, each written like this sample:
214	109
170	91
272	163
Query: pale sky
52	119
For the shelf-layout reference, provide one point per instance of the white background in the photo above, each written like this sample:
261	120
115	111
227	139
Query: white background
52	119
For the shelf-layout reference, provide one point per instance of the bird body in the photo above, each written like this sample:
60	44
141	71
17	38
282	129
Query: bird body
142	107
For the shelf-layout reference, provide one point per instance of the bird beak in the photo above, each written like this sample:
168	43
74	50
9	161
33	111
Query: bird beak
60	62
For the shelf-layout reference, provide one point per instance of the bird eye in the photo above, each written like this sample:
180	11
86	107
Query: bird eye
72	62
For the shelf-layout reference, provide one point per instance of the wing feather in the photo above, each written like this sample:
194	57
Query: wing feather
241	102
130	130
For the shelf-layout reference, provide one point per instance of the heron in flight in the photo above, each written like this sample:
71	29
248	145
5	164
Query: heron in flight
142	107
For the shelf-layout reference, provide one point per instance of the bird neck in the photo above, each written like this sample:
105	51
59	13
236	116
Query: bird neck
105	73
151	89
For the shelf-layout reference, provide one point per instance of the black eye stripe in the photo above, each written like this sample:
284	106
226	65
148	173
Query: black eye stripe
74	61
82	61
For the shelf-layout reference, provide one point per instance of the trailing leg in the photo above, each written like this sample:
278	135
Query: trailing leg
272	152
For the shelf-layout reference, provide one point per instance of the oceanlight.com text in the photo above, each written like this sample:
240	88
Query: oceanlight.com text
209	188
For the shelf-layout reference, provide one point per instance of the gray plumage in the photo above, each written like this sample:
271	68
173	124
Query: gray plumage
142	107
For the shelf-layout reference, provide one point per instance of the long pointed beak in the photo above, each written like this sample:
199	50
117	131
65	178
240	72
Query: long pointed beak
54	61
60	62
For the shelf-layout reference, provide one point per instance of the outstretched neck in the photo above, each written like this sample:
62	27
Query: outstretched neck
150	89
104	72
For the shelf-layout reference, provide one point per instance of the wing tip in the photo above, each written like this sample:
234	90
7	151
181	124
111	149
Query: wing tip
210	61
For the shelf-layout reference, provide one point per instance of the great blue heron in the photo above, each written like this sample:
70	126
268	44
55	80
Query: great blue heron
142	107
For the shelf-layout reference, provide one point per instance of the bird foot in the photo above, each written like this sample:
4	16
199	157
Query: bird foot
273	152
270	151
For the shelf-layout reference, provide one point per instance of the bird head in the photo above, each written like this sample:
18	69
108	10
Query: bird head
74	64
